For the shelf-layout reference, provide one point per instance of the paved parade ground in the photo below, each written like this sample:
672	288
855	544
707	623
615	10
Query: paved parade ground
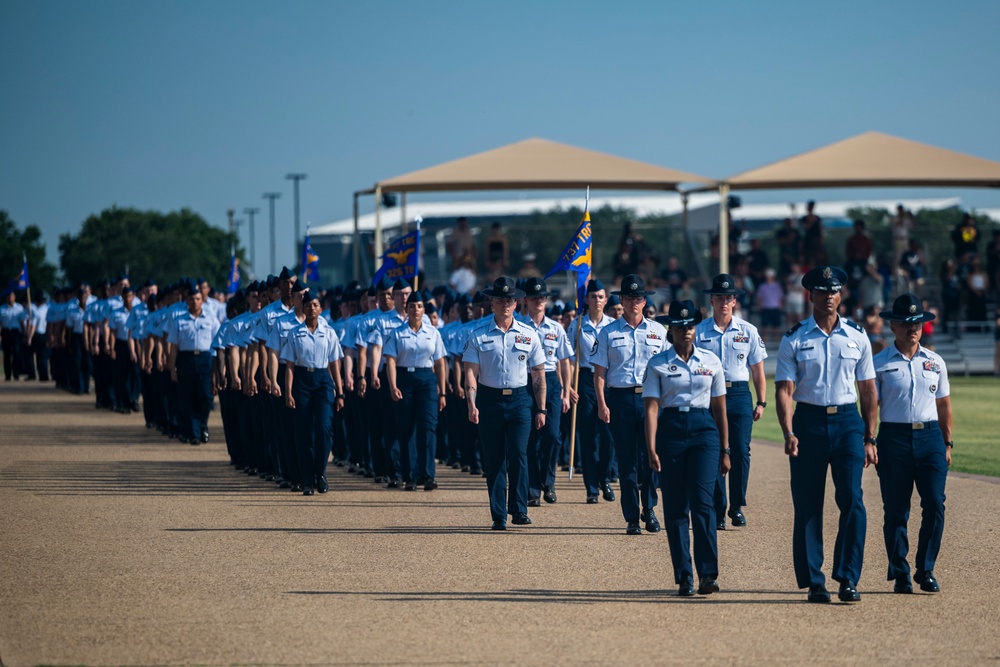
120	547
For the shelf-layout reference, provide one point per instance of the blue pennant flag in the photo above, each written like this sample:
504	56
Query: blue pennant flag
22	282
233	282
310	261
578	256
400	258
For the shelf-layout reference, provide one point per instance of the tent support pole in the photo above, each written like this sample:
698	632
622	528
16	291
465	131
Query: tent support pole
404	228
357	240
723	228
377	264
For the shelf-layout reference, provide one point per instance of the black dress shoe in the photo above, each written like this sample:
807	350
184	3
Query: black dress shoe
652	523
607	492
549	495
465	468
369	474
269	478
592	500
721	525
707	586
456	466
632	528
352	469
564	467
848	593
534	502
379	480
307	491
476	471
204	436
686	588
738	519
285	484
296	488
410	486
430	485
322	485
818	593
499	525
393	484
520	520
928	583
194	441
902	584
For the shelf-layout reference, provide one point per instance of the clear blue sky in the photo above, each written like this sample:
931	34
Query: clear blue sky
207	105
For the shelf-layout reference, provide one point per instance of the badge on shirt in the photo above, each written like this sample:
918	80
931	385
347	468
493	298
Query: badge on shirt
933	388
701	370
551	336
673	367
522	340
741	339
932	366
653	336
740	356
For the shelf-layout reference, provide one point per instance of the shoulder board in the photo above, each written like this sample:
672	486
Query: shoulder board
854	325
794	329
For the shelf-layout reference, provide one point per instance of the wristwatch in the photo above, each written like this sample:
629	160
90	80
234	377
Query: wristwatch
541	412
762	404
949	443
341	396
871	441
725	452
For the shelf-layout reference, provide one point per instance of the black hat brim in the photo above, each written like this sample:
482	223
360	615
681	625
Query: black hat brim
925	316
542	294
725	292
671	322
621	293
516	294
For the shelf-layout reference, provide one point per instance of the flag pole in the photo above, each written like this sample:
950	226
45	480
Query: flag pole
416	270
305	255
576	364
27	287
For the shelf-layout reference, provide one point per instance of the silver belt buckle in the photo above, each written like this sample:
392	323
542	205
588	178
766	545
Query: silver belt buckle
729	385
684	408
309	369
638	389
918	426
196	352
506	392
410	369
831	409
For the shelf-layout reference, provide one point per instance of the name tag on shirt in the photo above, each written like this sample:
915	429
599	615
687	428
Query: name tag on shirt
618	342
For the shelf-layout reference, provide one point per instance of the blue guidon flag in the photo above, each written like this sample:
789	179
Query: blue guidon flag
578	256
233	282
22	282
400	259
310	261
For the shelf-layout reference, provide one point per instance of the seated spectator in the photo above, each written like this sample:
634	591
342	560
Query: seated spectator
912	269
529	270
795	300
789	247
770	299
673	277
461	245
463	279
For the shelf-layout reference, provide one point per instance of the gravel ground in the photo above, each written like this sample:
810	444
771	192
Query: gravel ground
120	547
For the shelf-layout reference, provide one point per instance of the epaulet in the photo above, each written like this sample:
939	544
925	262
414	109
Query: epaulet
793	329
854	325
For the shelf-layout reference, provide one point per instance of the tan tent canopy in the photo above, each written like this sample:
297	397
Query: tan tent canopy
539	164
872	159
532	164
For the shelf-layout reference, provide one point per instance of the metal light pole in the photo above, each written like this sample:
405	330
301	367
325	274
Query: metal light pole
295	178
253	246
272	196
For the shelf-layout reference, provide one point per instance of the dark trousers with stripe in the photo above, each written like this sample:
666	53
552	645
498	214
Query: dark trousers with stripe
313	417
628	431
392	457
126	376
194	393
504	425
908	457
595	437
544	443
831	440
739	416
11	341
38	359
418	420
688	446
79	372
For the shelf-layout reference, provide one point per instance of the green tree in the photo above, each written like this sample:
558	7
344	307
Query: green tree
15	245
164	246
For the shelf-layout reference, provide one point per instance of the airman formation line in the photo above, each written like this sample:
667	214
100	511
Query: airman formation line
392	381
